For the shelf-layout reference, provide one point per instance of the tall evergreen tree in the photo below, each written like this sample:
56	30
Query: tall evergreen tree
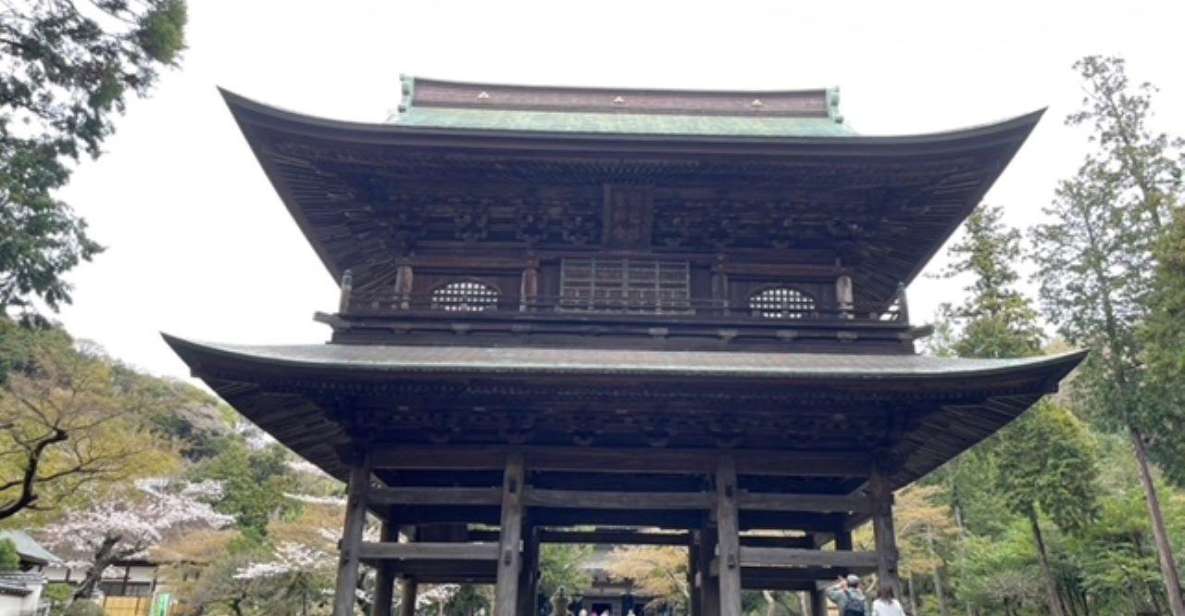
1096	261
997	320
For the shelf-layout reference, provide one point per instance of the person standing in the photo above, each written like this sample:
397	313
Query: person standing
886	604
847	596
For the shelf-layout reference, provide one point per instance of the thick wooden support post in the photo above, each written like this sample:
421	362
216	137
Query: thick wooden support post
881	494
693	573
529	577
843	541
729	547
408	586
407	596
818	602
529	286
347	568
844	296
709	585
509	550
384	583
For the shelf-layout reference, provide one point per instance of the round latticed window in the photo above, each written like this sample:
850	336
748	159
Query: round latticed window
465	296
781	303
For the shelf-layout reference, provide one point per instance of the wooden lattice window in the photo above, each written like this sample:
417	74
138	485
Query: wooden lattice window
643	286
781	303
465	296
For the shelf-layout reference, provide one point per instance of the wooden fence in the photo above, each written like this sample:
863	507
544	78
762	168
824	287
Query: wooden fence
127	606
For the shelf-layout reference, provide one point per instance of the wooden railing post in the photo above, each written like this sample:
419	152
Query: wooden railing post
510	537
355	523
844	296
403	285
729	551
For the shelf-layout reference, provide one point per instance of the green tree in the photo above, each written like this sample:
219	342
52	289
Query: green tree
1048	465
1033	475
562	565
1163	339
67	72
10	560
253	481
68	422
1096	261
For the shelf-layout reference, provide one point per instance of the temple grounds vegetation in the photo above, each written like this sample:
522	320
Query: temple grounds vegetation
1073	510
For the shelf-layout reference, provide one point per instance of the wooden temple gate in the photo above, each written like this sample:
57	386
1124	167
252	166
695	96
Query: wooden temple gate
722	562
621	309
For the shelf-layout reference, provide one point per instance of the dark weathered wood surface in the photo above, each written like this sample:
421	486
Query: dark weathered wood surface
728	549
355	522
510	546
376	551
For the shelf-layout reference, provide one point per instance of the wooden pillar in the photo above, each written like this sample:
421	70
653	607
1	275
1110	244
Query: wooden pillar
843	541
347	568
709	585
881	495
407	596
510	537
693	573
818	602
408	586
529	577
384	582
729	547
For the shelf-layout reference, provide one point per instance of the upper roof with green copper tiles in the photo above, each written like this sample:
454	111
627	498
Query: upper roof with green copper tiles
791	113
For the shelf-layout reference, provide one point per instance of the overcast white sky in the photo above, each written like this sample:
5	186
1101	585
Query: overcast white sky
200	246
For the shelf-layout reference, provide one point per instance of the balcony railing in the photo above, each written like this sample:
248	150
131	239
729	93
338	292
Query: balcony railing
376	304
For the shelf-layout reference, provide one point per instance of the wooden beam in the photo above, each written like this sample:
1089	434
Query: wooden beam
768	541
347	569
798	557
630	501
384	582
814	503
435	496
373	551
529	576
729	539
510	556
626	460
613	537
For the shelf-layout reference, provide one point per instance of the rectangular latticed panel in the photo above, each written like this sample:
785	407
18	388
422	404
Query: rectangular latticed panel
626	285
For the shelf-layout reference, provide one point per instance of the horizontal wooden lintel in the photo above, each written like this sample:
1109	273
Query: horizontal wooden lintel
372	551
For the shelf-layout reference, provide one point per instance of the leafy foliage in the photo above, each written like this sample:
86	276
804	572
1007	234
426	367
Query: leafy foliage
71	421
660	572
66	72
10	560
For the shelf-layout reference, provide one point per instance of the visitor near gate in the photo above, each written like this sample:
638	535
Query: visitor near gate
886	604
847	596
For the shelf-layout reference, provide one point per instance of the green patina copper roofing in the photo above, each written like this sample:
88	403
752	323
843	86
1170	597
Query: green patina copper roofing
578	119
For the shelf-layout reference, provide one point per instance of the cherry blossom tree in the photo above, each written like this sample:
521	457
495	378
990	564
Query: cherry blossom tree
124	526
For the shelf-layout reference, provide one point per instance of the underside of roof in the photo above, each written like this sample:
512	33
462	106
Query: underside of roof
925	410
364	194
